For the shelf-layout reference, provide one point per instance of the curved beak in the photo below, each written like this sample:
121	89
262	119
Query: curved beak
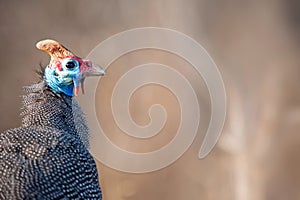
91	69
87	68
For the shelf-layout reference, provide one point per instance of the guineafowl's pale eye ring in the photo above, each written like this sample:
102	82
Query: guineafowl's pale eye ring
69	63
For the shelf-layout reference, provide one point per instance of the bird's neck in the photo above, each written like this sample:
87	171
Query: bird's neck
44	107
58	83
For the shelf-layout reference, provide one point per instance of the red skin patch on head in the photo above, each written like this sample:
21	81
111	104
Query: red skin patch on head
56	65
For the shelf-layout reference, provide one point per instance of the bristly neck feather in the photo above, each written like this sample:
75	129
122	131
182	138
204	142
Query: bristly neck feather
44	107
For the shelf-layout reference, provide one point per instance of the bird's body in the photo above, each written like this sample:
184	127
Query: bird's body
47	157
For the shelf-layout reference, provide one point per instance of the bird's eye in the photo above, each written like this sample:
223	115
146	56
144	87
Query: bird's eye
70	64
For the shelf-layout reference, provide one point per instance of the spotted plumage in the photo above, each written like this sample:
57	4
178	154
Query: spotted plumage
47	157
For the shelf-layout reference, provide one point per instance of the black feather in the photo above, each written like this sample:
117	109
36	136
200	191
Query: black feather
47	157
41	71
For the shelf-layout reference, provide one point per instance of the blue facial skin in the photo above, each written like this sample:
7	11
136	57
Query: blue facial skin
63	81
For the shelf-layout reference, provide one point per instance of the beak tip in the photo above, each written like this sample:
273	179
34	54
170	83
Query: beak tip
94	69
103	72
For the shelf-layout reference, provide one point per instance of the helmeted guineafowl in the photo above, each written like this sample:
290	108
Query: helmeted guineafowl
47	157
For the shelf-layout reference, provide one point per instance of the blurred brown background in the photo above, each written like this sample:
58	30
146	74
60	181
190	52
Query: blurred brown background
256	46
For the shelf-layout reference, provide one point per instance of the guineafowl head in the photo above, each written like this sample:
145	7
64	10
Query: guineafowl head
66	71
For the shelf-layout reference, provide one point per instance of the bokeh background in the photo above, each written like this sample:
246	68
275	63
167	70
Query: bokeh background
256	45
